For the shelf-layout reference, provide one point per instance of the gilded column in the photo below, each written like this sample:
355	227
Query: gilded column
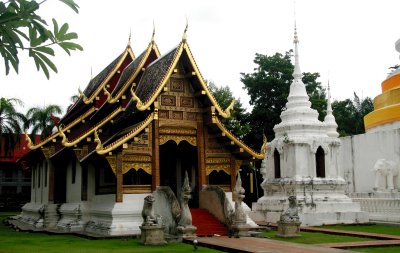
156	157
119	197
233	172
201	155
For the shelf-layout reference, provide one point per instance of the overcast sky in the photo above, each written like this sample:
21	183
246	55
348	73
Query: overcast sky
351	43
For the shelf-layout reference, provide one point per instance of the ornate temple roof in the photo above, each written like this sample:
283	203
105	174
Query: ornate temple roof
131	118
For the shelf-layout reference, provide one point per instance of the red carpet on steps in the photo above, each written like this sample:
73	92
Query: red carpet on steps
206	223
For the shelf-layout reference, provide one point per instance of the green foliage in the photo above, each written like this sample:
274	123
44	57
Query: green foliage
40	119
22	242
349	114
238	122
10	124
268	88
22	29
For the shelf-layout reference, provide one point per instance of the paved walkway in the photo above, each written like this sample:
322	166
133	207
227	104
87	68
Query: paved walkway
364	244
260	245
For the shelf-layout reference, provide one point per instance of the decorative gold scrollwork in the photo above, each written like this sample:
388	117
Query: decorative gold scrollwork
192	140
112	161
218	167
127	166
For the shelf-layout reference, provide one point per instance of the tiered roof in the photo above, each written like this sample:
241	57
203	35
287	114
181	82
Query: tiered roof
133	97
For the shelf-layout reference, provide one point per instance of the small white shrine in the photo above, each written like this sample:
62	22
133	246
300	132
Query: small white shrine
302	161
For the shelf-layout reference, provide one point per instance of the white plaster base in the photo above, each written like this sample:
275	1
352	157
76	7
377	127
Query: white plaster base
71	217
106	217
320	201
380	206
32	214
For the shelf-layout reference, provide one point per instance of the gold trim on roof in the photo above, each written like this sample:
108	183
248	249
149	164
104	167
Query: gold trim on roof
128	51
143	105
31	146
104	150
236	141
224	113
152	46
67	143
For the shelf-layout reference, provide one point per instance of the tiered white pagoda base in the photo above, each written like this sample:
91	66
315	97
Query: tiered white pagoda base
381	206
320	201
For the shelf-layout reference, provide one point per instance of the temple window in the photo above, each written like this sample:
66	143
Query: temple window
73	171
105	181
39	174
277	164
46	165
320	162
220	178
139	177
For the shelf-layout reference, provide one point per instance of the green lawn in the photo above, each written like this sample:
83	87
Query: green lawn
15	242
315	237
379	229
379	250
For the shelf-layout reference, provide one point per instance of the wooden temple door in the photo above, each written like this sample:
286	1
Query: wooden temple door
174	161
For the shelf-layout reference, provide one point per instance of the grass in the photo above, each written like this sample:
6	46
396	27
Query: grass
315	238
16	242
379	250
379	229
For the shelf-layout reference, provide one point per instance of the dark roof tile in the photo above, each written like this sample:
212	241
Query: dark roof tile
127	73
153	75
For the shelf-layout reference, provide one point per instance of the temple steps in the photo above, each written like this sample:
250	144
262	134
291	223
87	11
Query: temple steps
206	223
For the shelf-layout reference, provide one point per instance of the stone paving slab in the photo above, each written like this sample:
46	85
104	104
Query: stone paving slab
347	245
259	245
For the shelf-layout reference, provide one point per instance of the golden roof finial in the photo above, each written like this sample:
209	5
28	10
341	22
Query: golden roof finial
184	32
154	32
129	39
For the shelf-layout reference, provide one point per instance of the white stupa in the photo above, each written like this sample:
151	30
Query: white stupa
302	160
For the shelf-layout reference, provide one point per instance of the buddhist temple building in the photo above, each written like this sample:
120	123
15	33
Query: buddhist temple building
138	125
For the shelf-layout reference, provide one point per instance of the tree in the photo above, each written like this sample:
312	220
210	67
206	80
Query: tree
41	120
349	114
22	29
10	125
268	88
238	122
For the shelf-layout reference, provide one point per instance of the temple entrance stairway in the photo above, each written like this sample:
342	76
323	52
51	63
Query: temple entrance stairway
206	223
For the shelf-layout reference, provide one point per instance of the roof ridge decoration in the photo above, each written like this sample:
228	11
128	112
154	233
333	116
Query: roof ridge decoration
127	51
101	150
32	146
224	113
232	137
67	143
152	46
143	105
184	32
